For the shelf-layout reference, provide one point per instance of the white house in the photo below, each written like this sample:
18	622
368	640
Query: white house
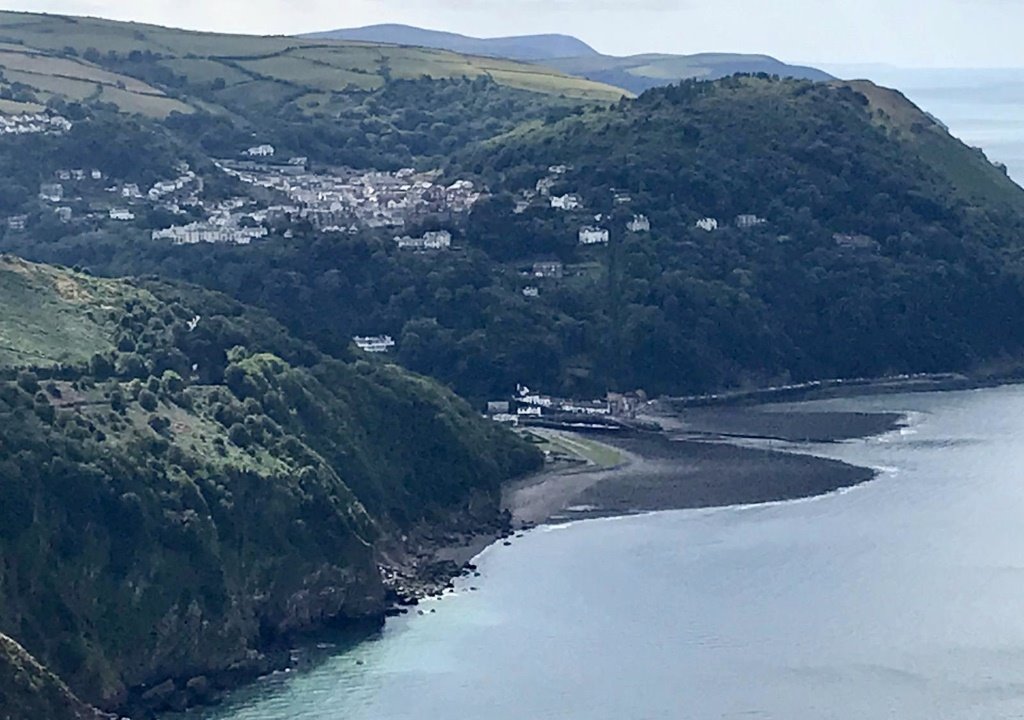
437	240
121	214
195	233
749	221
528	397
707	224
548	269
531	291
261	151
433	240
544	185
590	235
374	343
51	192
529	411
566	202
586	407
638	224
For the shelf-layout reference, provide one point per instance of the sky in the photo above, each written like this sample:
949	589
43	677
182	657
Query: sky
909	33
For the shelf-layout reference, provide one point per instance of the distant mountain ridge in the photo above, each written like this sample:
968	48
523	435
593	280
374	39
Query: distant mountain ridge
525	47
638	73
635	73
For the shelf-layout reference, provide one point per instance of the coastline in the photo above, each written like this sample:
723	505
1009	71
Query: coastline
695	461
700	460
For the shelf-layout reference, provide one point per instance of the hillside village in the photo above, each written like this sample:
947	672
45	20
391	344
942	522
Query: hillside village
339	198
34	124
279	196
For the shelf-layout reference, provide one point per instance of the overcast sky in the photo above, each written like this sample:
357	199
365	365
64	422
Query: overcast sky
938	33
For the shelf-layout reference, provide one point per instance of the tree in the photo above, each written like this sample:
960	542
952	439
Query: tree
239	435
148	401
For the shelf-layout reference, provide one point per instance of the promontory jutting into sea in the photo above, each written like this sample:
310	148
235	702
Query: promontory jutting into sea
644	372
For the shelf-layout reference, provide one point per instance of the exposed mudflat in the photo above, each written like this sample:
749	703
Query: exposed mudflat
698	461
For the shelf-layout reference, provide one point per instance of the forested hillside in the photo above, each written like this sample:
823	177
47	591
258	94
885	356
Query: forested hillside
875	243
855	236
183	483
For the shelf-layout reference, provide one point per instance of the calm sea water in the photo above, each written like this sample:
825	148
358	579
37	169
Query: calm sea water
984	108
901	598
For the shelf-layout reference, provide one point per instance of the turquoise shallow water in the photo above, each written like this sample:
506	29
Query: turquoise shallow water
902	598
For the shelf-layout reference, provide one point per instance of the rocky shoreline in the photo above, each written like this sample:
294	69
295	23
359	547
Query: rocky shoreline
693	462
413	565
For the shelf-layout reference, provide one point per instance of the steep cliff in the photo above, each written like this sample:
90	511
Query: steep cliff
201	486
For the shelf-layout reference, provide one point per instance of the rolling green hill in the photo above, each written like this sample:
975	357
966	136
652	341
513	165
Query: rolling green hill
634	73
38	76
183	484
58	55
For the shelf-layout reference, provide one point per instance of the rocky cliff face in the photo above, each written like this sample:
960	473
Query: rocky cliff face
28	690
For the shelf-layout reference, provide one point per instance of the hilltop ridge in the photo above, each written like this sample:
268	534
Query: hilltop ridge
523	47
635	73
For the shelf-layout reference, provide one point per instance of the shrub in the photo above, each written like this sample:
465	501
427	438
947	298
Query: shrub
148	401
239	435
159	423
28	382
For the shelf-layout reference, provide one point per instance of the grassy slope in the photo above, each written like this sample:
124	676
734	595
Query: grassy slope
966	169
295	66
50	75
51	317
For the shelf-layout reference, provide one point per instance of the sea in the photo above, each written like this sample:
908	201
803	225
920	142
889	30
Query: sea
900	598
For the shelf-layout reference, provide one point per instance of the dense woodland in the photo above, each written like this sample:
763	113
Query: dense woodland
405	123
225	470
